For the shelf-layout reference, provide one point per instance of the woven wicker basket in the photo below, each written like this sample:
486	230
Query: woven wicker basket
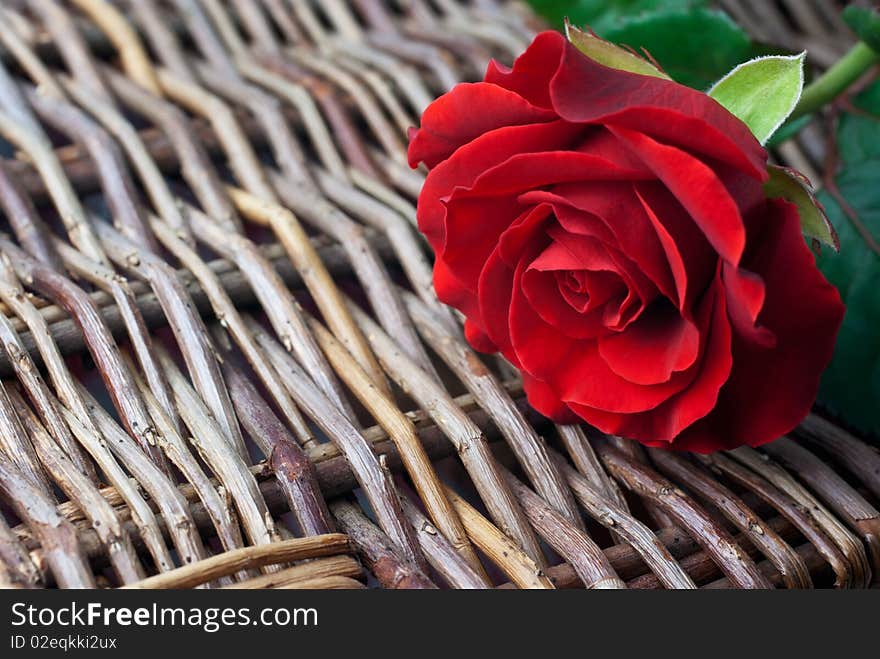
246	380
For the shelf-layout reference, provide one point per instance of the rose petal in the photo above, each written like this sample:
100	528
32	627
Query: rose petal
661	425
478	338
450	121
661	342
542	398
637	252
698	189
473	159
532	71
452	290
691	258
745	299
572	367
494	291
584	91
542	290
770	390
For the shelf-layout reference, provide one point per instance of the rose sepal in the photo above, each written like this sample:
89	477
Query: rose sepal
792	186
610	55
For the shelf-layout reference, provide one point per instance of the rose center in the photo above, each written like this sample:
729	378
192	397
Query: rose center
586	290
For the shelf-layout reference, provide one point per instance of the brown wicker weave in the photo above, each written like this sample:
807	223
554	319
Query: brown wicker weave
249	367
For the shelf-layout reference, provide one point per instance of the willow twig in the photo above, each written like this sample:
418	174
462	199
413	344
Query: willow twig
381	556
636	534
229	466
227	313
774	548
101	515
402	432
315	276
377	485
587	463
41	397
570	542
859	458
527	446
841	497
119	288
61	549
218	512
116	376
462	432
235	560
441	554
16	447
189	329
516	564
713	538
292	468
849	544
141	513
28	226
162	490
17	570
318	568
798	515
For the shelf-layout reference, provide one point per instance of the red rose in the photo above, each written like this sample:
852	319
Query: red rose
608	233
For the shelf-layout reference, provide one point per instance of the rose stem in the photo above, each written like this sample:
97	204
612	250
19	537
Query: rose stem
835	80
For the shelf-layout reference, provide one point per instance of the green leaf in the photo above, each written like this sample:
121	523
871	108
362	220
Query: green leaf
762	92
851	385
605	14
865	23
607	54
791	185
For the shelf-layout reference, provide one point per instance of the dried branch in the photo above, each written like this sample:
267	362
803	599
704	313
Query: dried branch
377	485
402	432
227	313
441	554
380	554
17	570
527	446
229	466
314	274
849	544
775	549
57	537
100	514
116	376
713	538
859	458
570	542
636	534
852	507
517	565
162	490
247	558
189	329
292	468
788	508
462	432
38	392
318	568
217	510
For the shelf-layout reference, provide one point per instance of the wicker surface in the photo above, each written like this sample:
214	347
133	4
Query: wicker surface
249	367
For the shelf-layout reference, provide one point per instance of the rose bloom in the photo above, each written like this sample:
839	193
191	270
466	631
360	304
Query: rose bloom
608	233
